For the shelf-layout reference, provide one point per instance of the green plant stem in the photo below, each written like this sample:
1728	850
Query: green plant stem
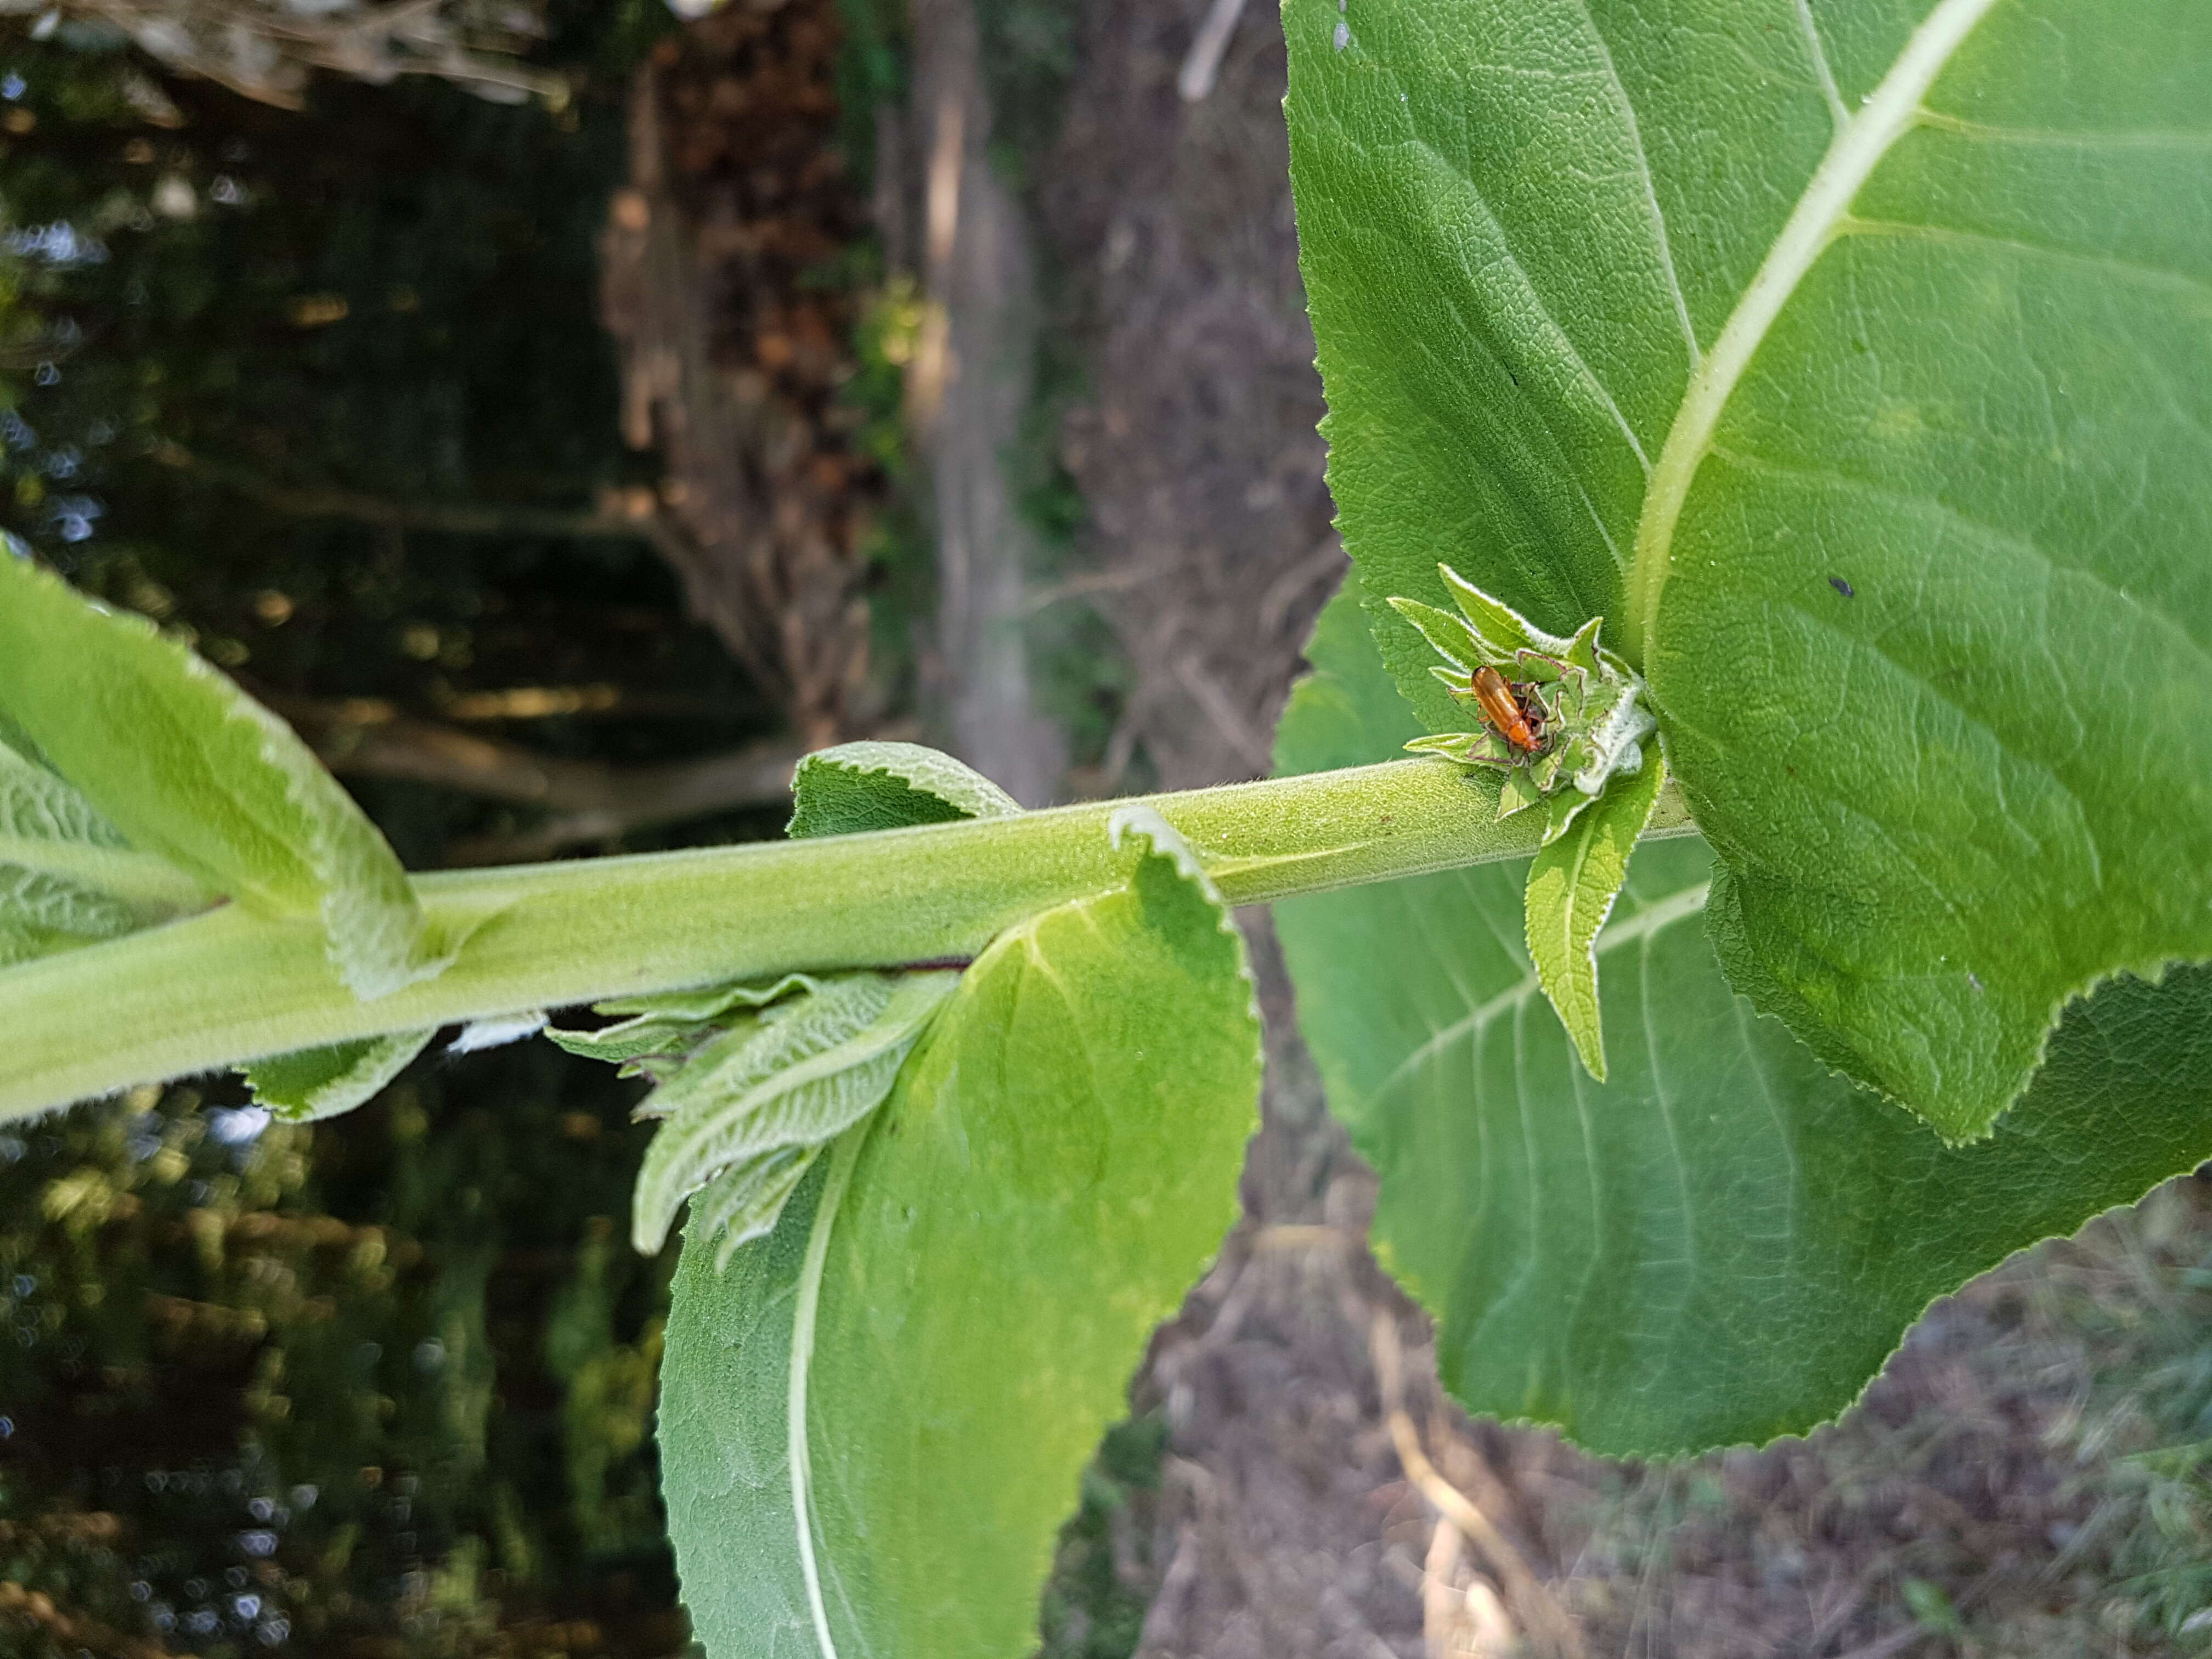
228	986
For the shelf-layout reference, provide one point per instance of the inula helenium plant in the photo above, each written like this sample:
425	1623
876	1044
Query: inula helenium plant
1773	439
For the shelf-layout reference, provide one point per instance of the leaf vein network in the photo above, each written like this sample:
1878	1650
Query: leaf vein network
1531	1252
1995	537
1659	915
1527	291
1830	91
1660	1097
1576	1079
2101	264
1781	1123
1663	244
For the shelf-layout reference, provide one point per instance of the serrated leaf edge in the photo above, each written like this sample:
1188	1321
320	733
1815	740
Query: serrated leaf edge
931	771
382	1058
1162	840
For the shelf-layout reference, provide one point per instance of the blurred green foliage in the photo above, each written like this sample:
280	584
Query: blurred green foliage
381	1386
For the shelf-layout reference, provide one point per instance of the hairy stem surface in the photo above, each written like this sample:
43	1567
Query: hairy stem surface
229	985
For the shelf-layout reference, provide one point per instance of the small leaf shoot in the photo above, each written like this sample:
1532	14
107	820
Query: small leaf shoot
67	877
1572	884
1554	711
312	1083
857	786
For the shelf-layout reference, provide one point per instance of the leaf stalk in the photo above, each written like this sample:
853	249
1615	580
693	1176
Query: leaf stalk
229	985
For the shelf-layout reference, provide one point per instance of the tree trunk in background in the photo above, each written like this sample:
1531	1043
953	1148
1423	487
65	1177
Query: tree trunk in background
969	388
731	363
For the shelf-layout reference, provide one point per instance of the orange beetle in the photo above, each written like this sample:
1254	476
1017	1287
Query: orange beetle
1504	712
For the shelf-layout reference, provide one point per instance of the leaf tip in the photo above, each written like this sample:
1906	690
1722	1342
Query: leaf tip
1162	839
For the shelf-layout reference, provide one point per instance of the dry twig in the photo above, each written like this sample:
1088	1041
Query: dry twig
267	52
1203	64
587	801
1531	1601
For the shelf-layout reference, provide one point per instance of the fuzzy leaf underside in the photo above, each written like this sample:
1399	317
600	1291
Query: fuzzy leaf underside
755	1078
775	1088
1723	1242
674	1020
189	769
959	1290
835	792
1675	310
743	1203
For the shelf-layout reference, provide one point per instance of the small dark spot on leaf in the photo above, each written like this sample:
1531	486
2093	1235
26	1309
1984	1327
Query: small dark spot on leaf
1841	587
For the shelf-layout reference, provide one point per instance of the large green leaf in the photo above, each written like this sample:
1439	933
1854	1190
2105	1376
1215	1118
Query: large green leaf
1724	1241
191	770
872	1423
1854	359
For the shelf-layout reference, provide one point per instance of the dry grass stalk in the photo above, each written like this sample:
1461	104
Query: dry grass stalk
1537	1609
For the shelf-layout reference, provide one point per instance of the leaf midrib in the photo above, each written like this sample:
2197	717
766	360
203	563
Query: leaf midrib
805	1306
135	877
1654	918
1821	211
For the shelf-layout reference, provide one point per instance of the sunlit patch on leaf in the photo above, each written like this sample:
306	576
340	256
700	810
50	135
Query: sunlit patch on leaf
479	1034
